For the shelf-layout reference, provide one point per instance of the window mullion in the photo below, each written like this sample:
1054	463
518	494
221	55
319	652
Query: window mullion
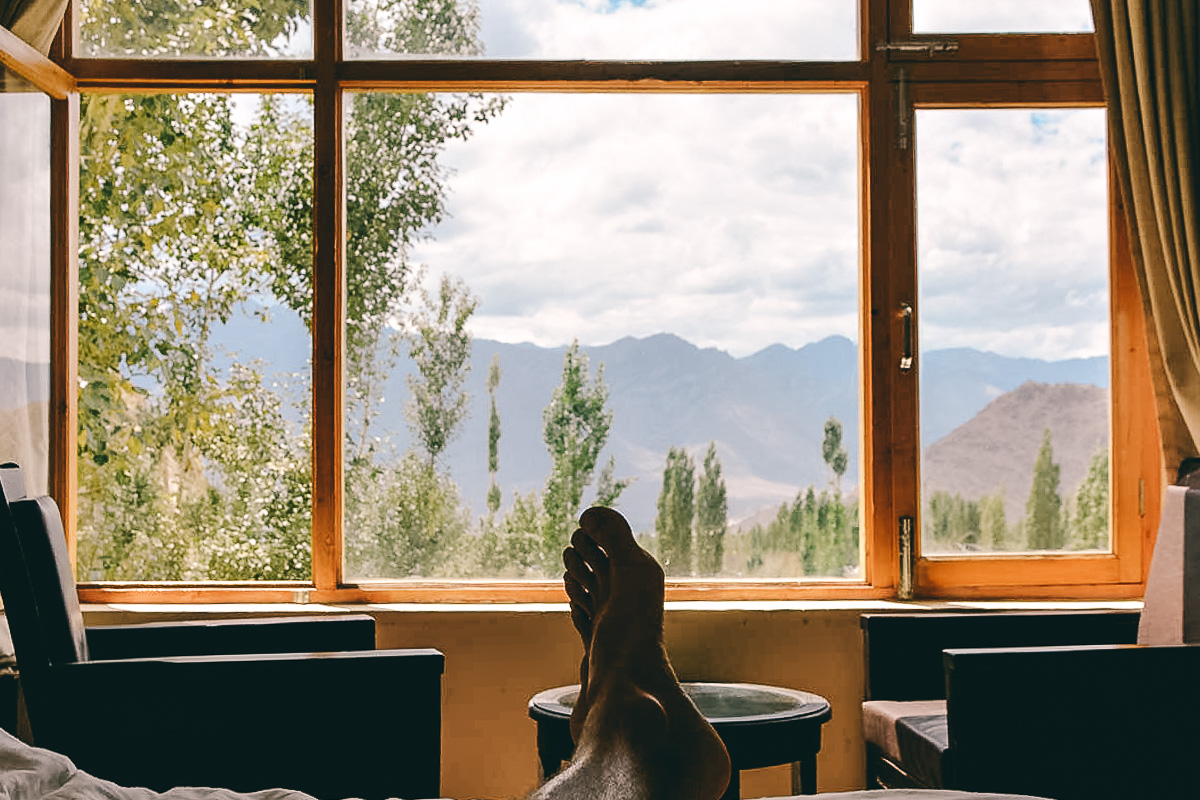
329	300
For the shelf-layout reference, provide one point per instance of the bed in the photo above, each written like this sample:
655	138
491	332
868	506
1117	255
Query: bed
32	773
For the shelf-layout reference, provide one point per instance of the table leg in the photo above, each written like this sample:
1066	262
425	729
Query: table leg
734	790
804	775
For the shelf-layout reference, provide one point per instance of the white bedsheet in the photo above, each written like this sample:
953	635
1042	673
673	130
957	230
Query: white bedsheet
31	773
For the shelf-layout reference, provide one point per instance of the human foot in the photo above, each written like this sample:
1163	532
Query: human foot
617	590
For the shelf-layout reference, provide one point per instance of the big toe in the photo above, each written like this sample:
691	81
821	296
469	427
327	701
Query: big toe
608	529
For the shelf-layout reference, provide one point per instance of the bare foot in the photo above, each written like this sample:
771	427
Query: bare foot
616	591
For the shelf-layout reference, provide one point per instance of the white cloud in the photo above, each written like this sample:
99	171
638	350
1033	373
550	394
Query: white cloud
1010	16
729	220
671	29
1012	231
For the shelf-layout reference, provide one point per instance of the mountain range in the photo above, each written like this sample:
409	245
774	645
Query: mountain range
766	412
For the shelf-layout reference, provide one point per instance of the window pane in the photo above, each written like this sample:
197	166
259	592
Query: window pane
642	277
176	28
809	30
25	290
195	291
1004	16
1014	332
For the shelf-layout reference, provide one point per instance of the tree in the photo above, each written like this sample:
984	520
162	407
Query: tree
191	465
493	457
1090	531
676	510
575	427
440	346
1043	510
712	515
832	451
608	486
993	527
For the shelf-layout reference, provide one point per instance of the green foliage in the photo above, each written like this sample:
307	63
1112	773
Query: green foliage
575	427
440	346
493	455
676	511
832	451
1089	530
513	547
1044	523
712	515
951	522
817	535
141	28
404	520
993	526
608	486
189	467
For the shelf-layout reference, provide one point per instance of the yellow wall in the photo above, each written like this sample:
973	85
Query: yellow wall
497	657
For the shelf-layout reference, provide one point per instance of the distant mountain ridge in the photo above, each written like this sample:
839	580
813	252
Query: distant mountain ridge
765	411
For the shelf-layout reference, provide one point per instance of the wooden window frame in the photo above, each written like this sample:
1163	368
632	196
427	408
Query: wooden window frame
987	70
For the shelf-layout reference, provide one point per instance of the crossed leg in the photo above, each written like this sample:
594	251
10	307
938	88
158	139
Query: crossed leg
637	735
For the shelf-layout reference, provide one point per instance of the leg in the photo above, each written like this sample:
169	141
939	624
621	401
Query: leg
638	736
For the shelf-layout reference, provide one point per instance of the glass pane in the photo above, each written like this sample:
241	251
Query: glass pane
183	29
808	30
1002	16
195	290
25	290
1012	228
635	281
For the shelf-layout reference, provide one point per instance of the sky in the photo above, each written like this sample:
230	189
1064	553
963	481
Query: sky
733	221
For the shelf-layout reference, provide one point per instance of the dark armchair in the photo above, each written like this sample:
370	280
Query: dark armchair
245	705
1061	705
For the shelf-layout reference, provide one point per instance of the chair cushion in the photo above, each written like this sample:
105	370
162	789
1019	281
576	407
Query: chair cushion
913	735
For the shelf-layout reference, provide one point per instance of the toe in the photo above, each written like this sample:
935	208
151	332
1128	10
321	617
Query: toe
608	529
578	570
590	552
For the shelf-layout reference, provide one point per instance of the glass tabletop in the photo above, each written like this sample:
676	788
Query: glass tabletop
716	701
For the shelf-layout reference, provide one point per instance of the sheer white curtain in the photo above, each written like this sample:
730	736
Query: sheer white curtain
25	284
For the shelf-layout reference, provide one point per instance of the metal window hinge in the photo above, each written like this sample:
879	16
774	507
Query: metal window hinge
926	47
904	591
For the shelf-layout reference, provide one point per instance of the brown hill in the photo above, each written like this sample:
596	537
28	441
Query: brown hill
997	447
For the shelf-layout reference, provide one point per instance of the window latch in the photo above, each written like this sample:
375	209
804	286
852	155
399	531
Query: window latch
904	590
925	47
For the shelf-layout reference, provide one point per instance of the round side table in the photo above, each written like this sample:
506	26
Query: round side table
761	726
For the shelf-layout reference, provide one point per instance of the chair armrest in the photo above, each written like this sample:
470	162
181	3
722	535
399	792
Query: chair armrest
333	725
1075	723
303	634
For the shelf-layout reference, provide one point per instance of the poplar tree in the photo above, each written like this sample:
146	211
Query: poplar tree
1090	531
575	427
493	457
712	515
676	510
1043	510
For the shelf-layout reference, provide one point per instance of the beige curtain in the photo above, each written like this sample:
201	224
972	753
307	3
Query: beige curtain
35	21
1150	61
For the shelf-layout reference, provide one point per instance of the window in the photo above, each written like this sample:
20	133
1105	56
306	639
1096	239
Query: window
768	257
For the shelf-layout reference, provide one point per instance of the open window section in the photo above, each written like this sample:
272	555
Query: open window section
195	295
1013	303
25	292
650	301
185	29
799	30
1002	16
